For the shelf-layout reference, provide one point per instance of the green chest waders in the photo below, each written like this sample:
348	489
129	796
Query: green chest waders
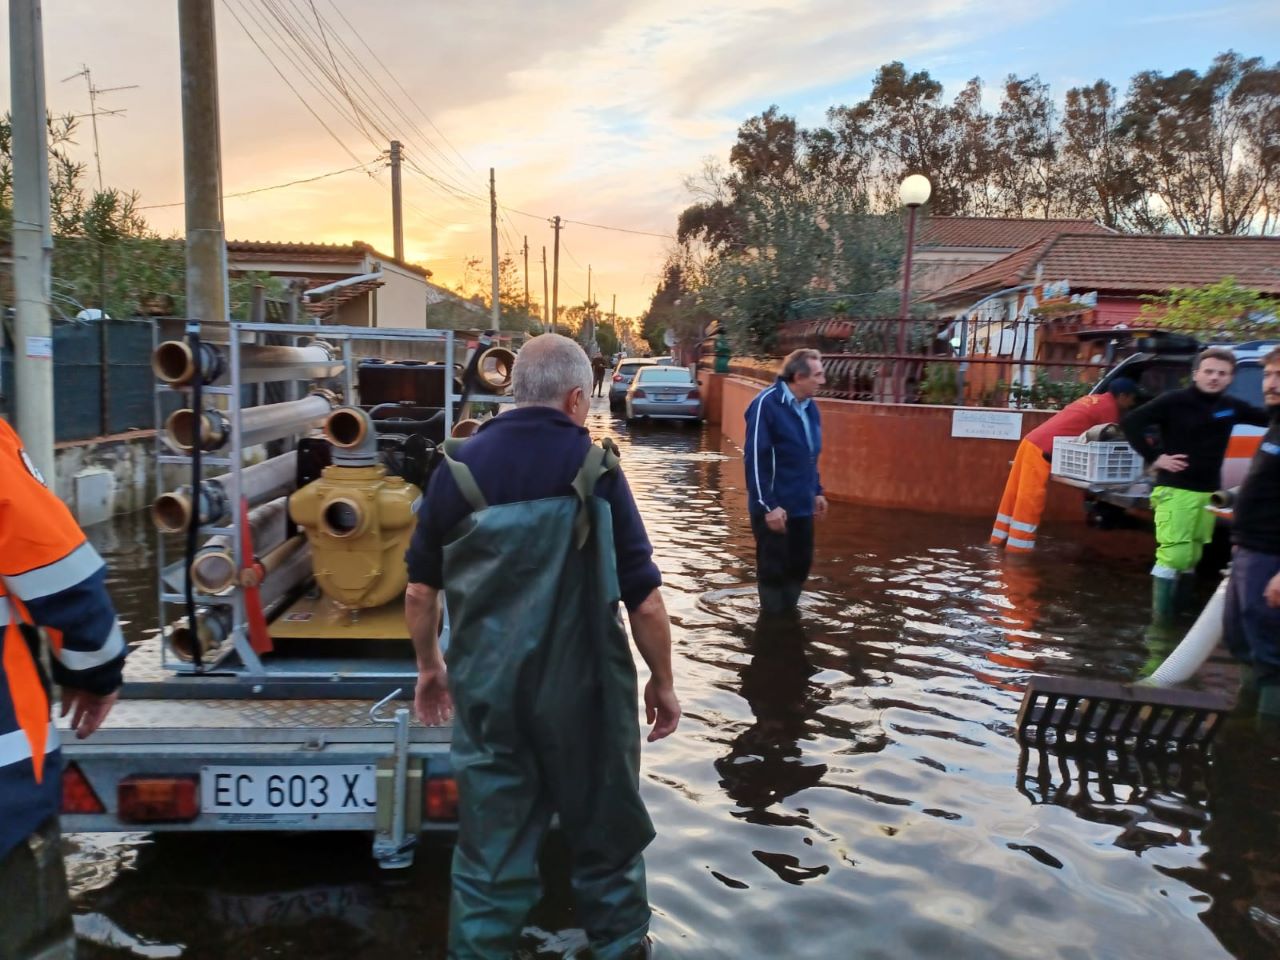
545	717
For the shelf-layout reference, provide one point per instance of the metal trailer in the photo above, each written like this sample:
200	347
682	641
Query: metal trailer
248	743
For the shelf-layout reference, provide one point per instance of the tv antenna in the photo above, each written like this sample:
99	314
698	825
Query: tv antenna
94	112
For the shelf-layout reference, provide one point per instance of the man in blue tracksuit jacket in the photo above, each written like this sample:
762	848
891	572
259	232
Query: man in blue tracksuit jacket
784	439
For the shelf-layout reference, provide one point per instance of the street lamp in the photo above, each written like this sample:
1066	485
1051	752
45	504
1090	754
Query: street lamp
913	192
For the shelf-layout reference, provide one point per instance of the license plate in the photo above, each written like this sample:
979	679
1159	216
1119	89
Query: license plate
327	788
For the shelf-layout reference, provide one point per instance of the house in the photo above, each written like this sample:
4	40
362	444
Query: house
949	248
355	285
1031	305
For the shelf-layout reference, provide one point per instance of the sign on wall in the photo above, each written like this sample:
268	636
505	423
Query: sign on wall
986	424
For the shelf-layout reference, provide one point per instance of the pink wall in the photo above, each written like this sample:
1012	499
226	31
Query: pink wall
900	455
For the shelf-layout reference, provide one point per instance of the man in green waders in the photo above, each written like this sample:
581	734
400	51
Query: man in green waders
531	532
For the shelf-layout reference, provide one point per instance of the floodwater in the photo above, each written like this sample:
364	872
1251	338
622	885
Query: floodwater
845	788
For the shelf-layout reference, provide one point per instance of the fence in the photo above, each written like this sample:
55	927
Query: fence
92	398
1027	363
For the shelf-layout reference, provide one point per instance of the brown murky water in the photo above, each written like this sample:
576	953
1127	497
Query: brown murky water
848	787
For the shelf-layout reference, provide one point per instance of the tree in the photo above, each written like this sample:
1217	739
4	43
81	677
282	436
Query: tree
1222	307
1026	141
1209	144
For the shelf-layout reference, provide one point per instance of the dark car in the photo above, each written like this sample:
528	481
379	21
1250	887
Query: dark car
622	376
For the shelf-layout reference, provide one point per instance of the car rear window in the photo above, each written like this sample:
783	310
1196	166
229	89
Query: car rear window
665	375
629	369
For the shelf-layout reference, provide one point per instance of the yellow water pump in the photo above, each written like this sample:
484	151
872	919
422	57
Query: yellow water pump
357	519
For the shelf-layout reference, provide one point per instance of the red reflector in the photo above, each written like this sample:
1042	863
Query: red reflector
617	378
441	799
638	394
158	799
77	794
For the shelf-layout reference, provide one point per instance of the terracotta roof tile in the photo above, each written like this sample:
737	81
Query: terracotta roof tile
1126	263
315	252
998	233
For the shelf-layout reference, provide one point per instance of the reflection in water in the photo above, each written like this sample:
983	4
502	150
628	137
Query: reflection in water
844	785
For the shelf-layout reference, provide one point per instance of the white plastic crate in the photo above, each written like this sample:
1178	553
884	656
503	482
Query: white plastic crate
1096	462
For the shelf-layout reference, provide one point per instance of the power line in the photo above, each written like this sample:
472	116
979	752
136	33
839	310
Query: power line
595	226
277	186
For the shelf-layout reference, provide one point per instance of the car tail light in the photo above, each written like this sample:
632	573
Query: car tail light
158	799
440	800
638	394
617	378
695	394
77	794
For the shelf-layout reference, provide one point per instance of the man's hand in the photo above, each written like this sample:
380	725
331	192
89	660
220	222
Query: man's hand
1171	462
431	700
1272	591
661	710
776	520
820	507
90	709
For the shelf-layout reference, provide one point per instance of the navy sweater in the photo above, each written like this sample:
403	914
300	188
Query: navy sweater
530	453
782	470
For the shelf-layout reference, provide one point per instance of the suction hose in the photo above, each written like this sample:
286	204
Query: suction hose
354	439
1196	646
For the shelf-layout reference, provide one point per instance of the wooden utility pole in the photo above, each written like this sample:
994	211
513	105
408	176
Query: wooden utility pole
546	300
555	274
32	242
588	286
493	250
397	215
202	163
526	276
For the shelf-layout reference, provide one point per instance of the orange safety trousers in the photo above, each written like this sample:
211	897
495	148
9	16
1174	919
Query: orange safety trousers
1023	502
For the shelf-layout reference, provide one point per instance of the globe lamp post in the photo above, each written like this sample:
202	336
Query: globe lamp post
914	193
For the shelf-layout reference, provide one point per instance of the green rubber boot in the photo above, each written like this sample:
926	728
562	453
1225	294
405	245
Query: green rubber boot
1163	597
1247	694
1269	702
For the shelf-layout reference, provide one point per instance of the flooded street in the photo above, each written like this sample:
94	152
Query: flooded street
848	787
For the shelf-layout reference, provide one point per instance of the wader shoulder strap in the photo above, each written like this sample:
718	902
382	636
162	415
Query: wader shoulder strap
598	461
463	478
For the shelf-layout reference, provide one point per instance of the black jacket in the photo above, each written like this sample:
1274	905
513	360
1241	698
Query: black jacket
1256	524
1190	422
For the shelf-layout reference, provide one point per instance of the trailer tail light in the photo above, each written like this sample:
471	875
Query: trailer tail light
77	794
638	394
158	799
440	801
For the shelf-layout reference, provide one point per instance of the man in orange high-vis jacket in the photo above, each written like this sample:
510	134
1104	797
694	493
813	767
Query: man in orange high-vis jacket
1023	502
52	589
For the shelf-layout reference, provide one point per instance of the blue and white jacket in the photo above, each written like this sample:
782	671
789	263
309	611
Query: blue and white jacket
781	459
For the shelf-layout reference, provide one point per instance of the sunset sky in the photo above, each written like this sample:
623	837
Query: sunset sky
596	111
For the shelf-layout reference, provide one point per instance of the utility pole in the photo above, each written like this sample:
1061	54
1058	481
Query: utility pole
546	300
555	274
32	241
526	276
202	163
588	286
613	314
493	250
397	214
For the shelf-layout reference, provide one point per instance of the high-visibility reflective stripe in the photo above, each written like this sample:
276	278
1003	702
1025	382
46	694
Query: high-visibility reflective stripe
15	747
55	577
998	534
1003	518
1022	544
4	611
88	659
1163	572
1024	527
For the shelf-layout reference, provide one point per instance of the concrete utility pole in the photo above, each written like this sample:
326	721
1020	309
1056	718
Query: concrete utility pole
32	241
546	299
555	274
493	250
202	163
397	215
526	276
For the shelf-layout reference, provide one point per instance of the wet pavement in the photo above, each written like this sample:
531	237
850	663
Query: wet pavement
845	787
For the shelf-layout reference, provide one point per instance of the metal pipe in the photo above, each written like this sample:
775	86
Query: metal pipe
175	364
354	439
465	428
272	561
259	483
257	424
493	369
214	568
